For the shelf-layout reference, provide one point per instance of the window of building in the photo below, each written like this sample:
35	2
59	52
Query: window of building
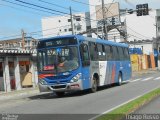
65	30
70	29
78	28
99	29
78	19
69	20
88	27
59	20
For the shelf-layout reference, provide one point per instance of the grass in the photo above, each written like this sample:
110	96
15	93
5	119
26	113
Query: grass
130	107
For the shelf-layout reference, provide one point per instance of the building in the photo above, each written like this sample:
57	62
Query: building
28	43
17	64
61	25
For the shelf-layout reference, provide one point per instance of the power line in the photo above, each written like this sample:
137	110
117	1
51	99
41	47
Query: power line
57	5
46	8
34	32
30	7
21	9
41	7
82	2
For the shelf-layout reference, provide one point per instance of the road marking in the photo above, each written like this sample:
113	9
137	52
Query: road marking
93	118
147	79
135	80
158	78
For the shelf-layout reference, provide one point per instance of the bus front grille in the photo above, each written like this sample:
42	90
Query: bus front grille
58	86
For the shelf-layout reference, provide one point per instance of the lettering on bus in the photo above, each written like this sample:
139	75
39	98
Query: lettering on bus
57	42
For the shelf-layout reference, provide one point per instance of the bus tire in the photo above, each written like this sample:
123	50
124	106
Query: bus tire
94	85
119	79
60	94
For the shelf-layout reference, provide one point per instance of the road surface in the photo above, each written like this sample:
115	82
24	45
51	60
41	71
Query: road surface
81	105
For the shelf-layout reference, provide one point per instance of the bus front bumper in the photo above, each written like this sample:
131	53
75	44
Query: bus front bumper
61	87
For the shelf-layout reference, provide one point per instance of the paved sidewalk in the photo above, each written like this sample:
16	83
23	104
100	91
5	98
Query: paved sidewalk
20	93
144	72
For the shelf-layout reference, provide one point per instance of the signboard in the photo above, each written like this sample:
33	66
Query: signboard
111	10
57	42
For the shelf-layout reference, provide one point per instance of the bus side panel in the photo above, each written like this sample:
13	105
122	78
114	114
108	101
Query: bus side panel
94	69
102	72
85	77
127	72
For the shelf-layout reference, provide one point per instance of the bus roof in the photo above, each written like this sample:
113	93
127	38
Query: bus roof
83	38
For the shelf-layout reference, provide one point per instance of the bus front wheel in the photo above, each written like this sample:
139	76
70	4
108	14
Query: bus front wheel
94	85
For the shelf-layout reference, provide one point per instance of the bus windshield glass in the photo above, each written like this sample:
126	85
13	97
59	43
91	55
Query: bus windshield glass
57	60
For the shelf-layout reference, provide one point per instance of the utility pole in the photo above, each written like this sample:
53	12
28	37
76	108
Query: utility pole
71	17
104	22
23	39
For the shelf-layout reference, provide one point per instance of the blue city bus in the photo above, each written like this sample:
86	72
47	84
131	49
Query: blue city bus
74	62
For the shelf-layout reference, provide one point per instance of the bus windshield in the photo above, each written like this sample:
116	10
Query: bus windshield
57	60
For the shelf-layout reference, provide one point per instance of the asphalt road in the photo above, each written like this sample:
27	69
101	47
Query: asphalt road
81	105
153	107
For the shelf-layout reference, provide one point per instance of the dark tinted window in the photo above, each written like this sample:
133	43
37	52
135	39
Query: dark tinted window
93	51
126	54
115	53
109	55
84	55
121	53
101	52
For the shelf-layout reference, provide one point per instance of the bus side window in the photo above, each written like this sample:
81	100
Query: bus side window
121	53
93	51
126	54
115	53
101	52
108	50
84	55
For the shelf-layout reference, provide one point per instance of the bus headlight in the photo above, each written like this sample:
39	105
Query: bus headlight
41	81
76	78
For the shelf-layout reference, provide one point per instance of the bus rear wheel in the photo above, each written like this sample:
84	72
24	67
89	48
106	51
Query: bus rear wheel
60	94
94	85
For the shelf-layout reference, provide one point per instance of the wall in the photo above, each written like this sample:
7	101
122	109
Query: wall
59	25
142	27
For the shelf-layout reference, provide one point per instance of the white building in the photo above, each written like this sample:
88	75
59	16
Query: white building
136	28
61	25
113	35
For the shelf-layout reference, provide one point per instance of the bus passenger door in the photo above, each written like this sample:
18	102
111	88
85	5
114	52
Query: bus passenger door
85	61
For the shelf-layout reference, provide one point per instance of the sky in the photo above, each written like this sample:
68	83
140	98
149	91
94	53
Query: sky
14	16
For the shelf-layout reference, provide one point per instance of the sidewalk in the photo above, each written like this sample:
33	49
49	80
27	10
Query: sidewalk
20	93
144	72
